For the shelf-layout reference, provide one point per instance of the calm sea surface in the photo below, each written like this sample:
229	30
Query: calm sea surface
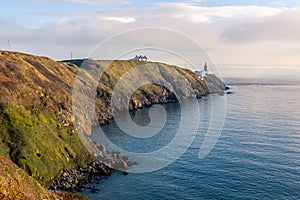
256	157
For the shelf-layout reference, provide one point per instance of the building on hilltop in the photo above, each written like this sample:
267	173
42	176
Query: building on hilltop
140	58
205	67
203	73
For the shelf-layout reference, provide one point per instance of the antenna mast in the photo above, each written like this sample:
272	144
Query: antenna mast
8	42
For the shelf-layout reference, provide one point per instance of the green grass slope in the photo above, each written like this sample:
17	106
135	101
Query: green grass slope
36	130
36	143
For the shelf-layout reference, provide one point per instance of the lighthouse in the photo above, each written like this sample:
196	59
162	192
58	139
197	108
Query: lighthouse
203	73
205	67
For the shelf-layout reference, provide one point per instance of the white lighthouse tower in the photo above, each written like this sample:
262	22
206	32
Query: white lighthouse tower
203	73
205	67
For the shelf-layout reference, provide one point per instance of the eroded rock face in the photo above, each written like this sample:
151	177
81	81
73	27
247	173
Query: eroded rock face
144	96
215	84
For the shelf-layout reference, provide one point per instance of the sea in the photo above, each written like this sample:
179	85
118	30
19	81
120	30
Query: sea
256	154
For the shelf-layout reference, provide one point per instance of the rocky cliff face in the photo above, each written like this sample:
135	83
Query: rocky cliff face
214	84
146	95
37	129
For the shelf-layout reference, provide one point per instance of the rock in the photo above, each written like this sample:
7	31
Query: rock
101	147
80	188
85	178
124	158
95	190
119	164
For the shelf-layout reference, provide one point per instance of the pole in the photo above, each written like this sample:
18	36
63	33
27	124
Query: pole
8	42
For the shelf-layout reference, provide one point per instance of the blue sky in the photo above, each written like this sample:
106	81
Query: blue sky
35	12
257	31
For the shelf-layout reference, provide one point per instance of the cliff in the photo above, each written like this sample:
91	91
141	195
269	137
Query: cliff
37	129
146	95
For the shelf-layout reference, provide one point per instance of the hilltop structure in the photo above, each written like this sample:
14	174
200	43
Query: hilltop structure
203	73
140	58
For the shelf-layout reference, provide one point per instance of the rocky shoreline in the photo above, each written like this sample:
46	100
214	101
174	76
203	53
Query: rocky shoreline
79	180
82	178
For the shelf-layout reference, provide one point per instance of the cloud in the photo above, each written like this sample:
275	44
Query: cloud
280	3
200	14
96	2
120	19
231	34
193	2
283	26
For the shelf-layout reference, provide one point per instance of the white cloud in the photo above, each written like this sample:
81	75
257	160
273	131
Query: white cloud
192	2
231	34
96	2
120	19
200	14
32	27
280	3
282	27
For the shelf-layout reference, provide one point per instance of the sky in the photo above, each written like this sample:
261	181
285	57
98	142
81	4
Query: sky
232	32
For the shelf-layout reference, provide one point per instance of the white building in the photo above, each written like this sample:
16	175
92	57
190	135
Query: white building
204	72
140	58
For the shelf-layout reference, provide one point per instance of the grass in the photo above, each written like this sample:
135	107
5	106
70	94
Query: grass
37	144
18	185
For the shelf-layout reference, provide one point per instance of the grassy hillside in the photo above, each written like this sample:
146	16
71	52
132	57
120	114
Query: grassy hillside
36	130
35	141
17	185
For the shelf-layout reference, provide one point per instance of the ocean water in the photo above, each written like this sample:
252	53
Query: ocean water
257	155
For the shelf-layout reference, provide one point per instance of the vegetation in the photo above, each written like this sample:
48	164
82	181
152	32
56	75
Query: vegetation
37	144
17	185
37	130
